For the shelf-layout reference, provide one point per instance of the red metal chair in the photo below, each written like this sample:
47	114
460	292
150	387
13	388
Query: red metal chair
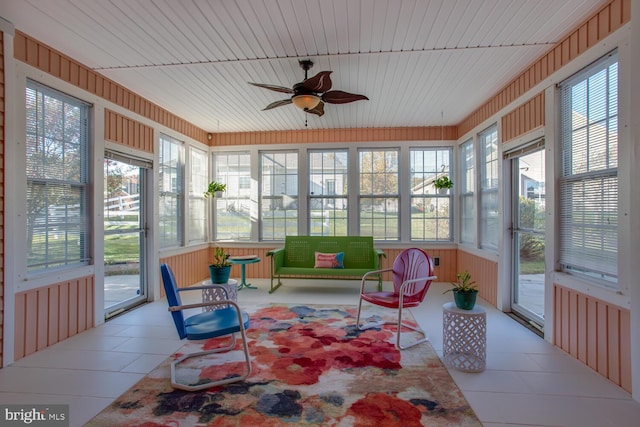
412	275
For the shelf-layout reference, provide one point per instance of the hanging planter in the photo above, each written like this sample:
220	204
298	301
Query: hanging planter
443	184
215	189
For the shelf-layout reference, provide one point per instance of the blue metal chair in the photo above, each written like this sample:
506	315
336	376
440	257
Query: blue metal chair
226	320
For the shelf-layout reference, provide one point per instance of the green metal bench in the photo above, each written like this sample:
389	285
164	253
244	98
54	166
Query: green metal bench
297	258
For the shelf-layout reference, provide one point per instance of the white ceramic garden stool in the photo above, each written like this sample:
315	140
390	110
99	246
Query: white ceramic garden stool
217	294
464	338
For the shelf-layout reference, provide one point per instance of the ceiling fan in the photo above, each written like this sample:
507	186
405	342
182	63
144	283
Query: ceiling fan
311	94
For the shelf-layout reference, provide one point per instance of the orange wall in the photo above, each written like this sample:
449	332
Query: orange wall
337	135
525	118
188	268
47	315
595	332
603	23
446	271
128	132
484	272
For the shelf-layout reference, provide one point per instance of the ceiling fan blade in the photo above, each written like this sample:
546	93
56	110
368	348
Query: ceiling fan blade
277	104
318	110
341	97
273	87
319	83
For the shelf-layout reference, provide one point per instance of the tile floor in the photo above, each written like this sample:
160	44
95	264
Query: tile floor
528	382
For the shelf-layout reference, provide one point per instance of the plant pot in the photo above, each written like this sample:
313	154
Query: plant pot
219	274
465	300
443	190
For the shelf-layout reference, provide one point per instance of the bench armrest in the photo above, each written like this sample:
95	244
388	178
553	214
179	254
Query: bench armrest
277	257
274	251
380	253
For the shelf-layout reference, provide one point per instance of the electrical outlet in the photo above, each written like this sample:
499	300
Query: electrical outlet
436	261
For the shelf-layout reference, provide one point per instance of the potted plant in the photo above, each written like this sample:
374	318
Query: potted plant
443	184
220	267
464	291
215	187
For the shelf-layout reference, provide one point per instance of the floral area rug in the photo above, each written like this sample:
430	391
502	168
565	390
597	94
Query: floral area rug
311	366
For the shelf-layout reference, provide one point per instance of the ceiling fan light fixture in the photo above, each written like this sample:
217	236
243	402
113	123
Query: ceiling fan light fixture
305	102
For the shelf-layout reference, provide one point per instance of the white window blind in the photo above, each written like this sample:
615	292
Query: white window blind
57	179
198	182
466	190
171	189
489	188
589	180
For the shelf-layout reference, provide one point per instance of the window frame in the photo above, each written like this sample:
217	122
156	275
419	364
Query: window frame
488	188
292	197
593	259
176	191
325	198
69	228
428	176
466	192
198	181
237	197
386	196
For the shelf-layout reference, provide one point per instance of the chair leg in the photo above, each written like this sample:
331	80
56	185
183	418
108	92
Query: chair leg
404	325
399	325
362	327
181	386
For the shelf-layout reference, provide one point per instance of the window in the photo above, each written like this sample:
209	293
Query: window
430	208
199	173
279	194
379	194
328	190
233	207
466	189
589	179
489	188
57	179
171	188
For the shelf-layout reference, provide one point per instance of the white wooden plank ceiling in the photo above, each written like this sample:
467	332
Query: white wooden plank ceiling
420	62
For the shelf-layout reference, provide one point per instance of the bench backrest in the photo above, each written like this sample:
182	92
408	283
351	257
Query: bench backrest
358	250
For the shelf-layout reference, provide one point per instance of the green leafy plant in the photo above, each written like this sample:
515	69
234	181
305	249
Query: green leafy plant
220	258
214	187
443	182
463	284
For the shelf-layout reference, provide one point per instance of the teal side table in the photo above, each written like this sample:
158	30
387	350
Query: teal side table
243	261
